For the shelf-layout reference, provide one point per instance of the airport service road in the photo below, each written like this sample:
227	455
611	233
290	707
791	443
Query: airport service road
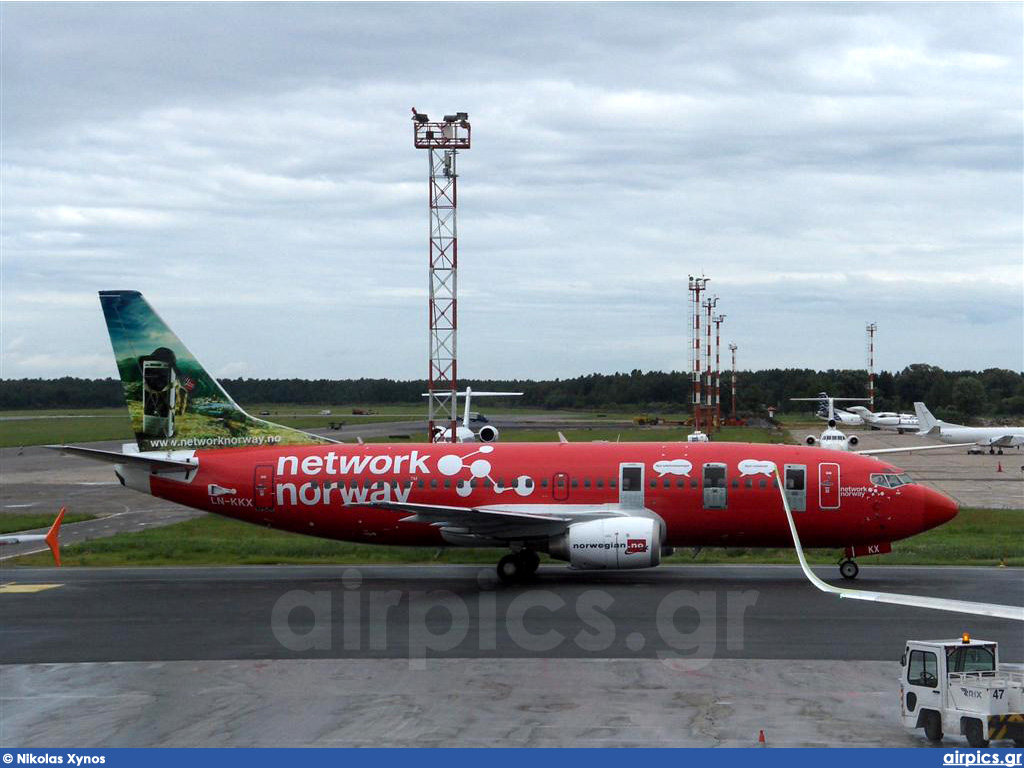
426	612
973	481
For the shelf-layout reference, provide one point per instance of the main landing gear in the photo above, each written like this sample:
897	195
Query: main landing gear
517	567
848	569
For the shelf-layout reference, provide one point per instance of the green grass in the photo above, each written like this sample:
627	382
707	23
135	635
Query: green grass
974	537
66	430
14	522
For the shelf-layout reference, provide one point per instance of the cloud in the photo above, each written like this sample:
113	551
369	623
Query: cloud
250	169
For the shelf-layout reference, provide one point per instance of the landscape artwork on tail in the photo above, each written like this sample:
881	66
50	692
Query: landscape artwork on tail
173	402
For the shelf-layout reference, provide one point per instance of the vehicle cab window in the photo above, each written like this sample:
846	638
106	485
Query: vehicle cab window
971	659
923	669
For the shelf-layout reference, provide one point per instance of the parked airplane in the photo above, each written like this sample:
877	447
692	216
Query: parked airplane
464	433
835	440
595	505
827	409
899	422
994	438
51	537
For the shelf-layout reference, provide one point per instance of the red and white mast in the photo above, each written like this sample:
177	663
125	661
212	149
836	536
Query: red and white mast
872	327
442	140
732	348
718	369
696	286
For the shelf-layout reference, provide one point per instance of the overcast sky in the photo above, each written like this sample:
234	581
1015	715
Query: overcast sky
250	169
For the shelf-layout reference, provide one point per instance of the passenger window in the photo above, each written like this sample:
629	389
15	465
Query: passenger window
748	483
472	483
600	483
575	483
668	483
560	481
923	669
448	483
654	483
762	483
433	483
680	483
615	484
693	482
735	483
528	482
586	483
543	483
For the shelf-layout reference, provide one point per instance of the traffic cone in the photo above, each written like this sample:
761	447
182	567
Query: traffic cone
999	467
760	738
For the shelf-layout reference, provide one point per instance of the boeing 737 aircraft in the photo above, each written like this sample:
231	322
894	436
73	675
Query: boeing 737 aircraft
993	438
595	505
898	422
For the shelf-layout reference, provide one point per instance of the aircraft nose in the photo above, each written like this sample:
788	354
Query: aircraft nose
937	509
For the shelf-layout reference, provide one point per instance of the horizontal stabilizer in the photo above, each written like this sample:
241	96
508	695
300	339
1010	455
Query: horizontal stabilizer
155	463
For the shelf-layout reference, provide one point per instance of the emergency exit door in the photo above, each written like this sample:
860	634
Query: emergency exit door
796	486
263	487
715	491
631	486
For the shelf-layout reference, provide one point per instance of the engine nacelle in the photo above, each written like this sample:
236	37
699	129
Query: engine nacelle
487	434
612	543
852	440
811	440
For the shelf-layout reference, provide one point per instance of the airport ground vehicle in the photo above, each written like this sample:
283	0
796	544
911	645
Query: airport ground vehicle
959	687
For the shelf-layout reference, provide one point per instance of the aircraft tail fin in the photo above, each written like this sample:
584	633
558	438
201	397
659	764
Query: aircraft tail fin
927	423
52	537
173	402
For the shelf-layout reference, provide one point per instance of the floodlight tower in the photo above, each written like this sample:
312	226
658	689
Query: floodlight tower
696	286
718	369
442	140
732	348
872	327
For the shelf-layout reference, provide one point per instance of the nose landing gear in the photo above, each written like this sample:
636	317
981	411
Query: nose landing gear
518	567
848	569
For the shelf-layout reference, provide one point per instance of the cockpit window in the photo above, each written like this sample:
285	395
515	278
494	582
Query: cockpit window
891	480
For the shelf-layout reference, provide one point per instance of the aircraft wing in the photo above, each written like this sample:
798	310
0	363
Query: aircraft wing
876	451
1014	612
496	520
1003	441
155	463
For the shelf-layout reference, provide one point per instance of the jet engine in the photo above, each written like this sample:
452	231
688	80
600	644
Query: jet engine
852	440
487	434
811	440
614	542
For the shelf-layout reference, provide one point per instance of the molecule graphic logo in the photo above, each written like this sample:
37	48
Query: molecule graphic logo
451	465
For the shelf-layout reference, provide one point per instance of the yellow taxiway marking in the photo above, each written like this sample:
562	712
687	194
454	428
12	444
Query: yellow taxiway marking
15	588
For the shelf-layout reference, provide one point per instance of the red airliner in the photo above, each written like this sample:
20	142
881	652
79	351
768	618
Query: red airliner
595	505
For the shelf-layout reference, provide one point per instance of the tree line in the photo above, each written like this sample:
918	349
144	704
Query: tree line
952	395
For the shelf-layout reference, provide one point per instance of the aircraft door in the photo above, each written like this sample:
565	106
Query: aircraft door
715	491
560	487
263	487
796	486
631	486
828	486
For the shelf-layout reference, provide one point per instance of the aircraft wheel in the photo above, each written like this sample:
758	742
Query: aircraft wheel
932	726
848	569
511	569
1000	451
975	736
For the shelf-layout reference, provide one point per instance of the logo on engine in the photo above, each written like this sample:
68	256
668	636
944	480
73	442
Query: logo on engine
636	546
